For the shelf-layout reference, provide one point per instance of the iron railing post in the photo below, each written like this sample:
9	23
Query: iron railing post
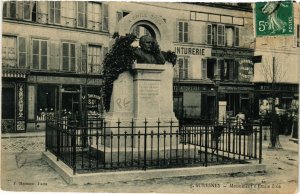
73	144
145	146
206	144
58	139
260	143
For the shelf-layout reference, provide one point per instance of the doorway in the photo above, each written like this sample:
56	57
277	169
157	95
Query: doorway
8	109
70	103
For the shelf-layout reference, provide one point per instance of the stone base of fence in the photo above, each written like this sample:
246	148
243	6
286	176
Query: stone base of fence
104	177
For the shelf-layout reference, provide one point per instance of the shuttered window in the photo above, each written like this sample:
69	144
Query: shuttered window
39	54
183	31
94	16
68	57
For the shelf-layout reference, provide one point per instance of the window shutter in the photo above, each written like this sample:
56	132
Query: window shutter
180	68
220	35
105	17
30	58
180	32
44	53
22	52
186	31
177	31
231	69
83	57
221	69
104	52
52	55
176	71
42	11
119	16
209	34
236	64
20	9
5	12
78	57
236	36
204	69
13	9
187	66
73	57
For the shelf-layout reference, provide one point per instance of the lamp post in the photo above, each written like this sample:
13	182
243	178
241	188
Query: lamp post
274	140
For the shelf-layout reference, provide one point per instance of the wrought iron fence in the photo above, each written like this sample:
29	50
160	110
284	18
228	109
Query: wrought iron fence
97	145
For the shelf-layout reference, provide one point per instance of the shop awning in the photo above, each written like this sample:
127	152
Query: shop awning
14	73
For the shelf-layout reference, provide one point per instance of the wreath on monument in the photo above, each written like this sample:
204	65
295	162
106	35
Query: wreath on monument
119	59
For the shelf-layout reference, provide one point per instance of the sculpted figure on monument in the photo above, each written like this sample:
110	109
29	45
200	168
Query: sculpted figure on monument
149	51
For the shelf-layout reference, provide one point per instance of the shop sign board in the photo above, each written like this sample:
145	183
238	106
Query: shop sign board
191	88
230	53
246	70
235	89
93	100
193	50
63	80
274	18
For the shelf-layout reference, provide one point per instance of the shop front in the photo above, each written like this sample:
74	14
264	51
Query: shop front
194	101
237	99
285	94
13	101
50	95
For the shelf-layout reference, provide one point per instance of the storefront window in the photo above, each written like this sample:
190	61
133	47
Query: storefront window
94	102
8	103
46	101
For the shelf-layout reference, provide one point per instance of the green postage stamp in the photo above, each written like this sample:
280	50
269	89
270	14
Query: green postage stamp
274	18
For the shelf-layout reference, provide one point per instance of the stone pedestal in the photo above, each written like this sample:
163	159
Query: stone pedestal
145	96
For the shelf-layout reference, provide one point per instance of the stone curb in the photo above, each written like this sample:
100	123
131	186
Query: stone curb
23	135
106	177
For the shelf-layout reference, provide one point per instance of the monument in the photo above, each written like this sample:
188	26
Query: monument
143	98
147	94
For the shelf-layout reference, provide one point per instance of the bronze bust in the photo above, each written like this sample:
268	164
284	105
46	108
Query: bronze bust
149	51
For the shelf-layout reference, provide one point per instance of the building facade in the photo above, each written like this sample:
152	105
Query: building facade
52	55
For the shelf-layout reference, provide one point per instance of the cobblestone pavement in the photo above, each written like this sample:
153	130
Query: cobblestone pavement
24	170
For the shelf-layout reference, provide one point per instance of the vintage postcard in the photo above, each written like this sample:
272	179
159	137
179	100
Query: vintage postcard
150	97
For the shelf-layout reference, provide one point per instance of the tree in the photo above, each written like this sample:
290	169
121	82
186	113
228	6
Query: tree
273	73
